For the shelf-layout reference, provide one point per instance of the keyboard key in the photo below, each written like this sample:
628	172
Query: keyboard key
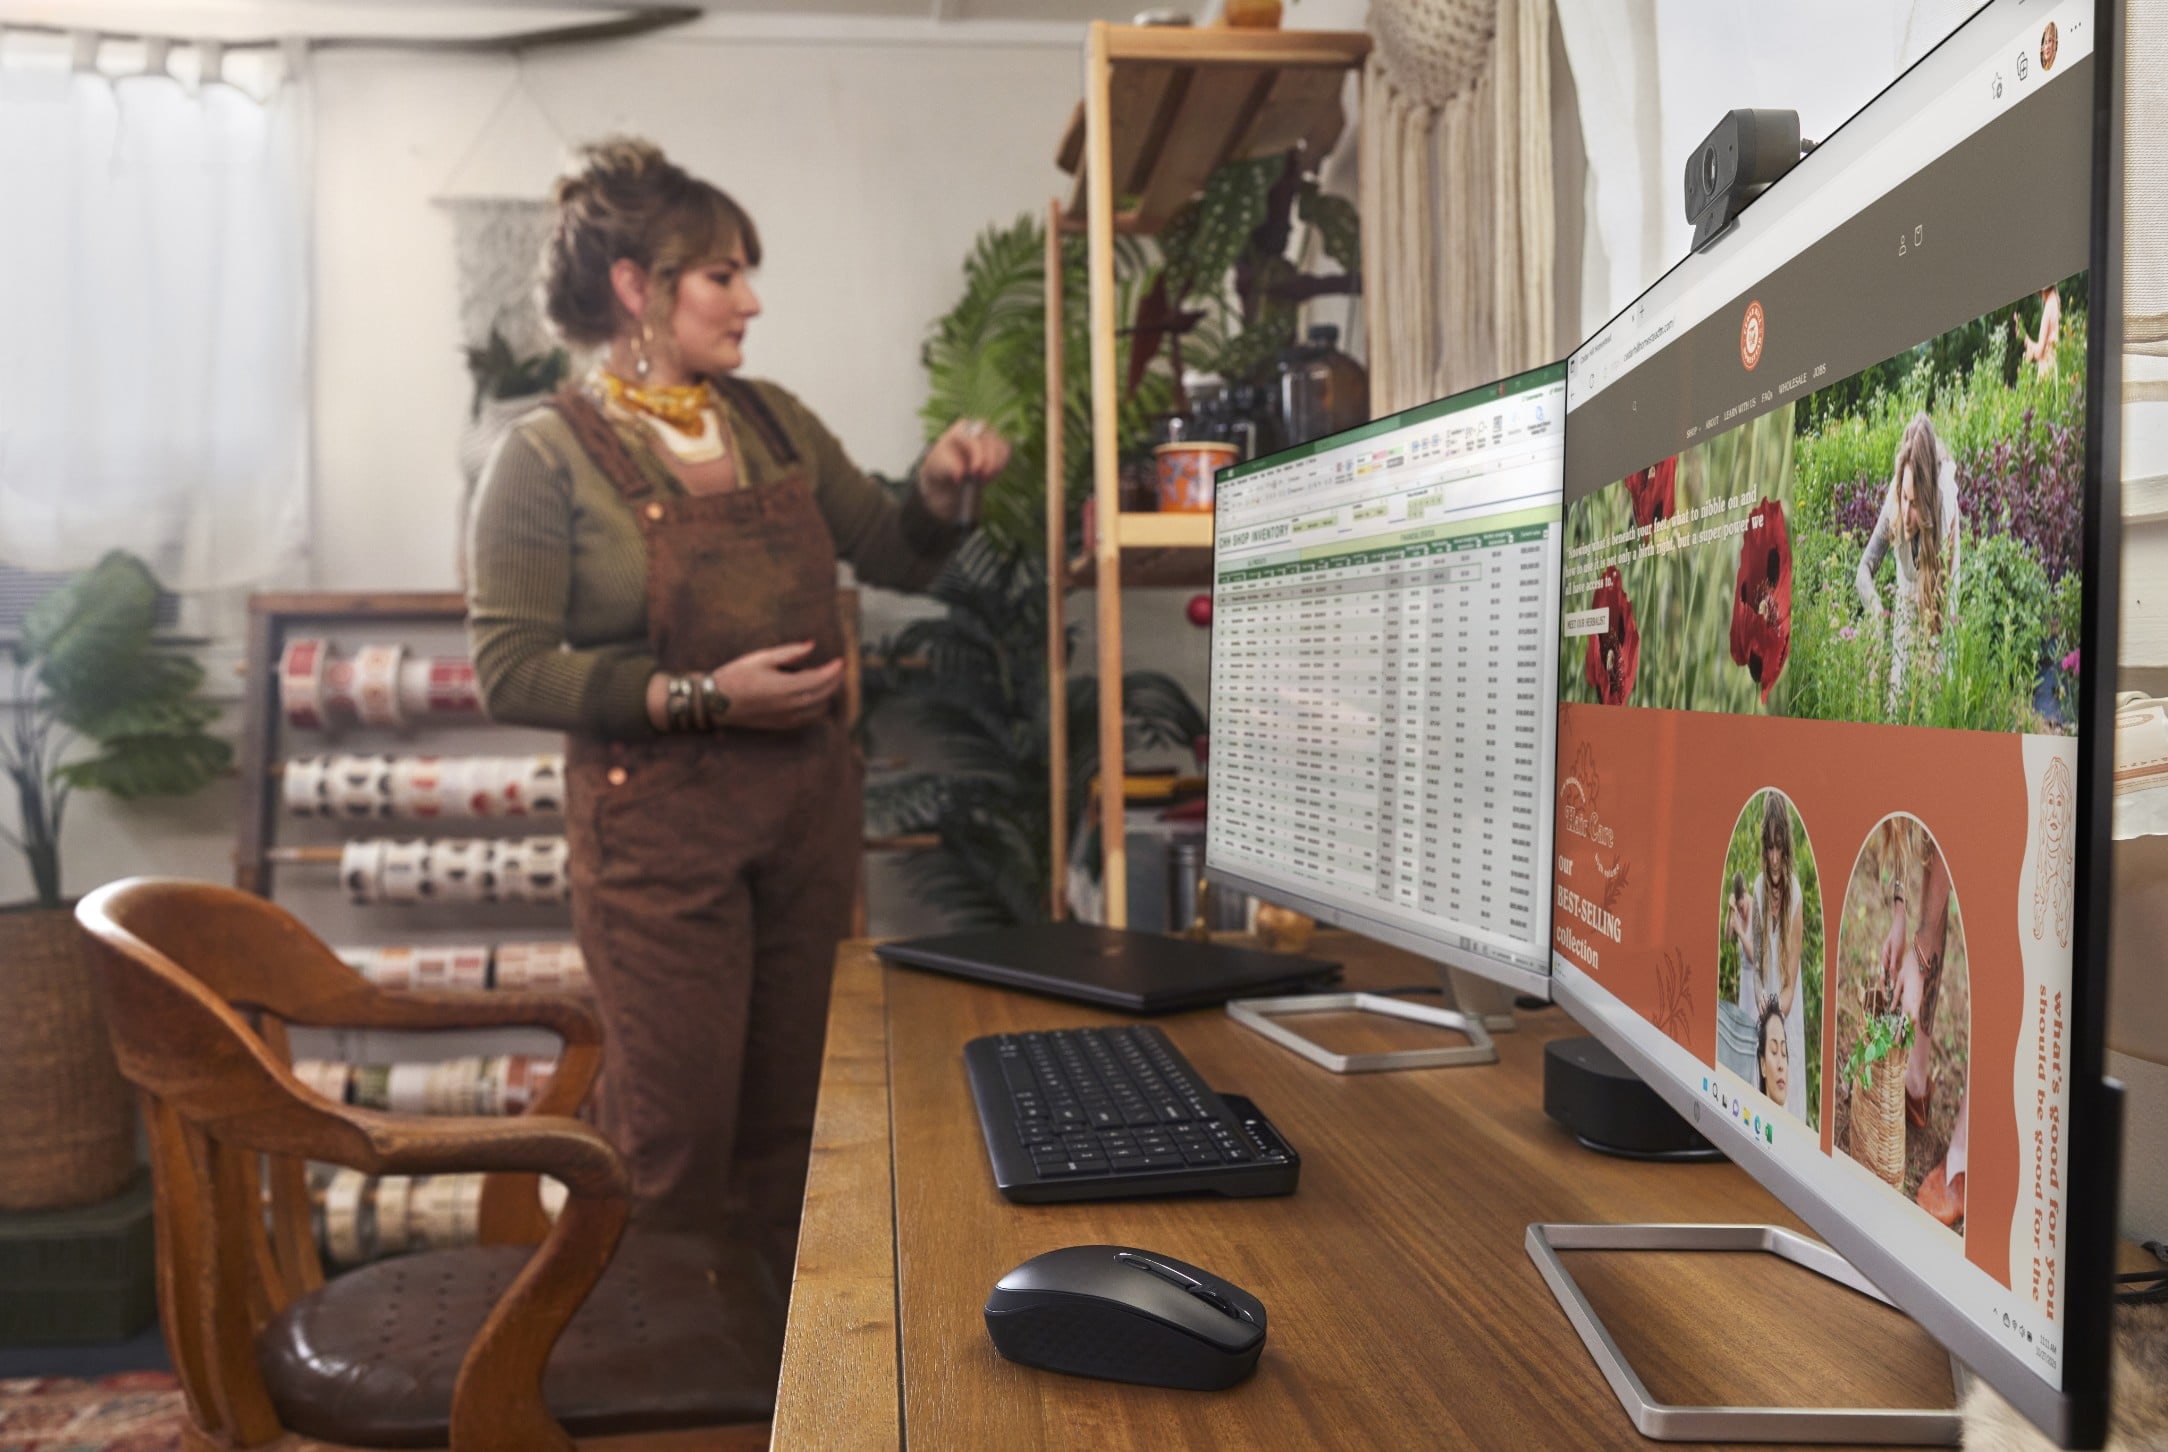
1163	1160
1128	1164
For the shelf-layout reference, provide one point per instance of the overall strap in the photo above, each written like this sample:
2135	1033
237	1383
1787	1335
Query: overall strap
746	402
599	438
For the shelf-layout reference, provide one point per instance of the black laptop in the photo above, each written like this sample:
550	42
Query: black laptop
1134	972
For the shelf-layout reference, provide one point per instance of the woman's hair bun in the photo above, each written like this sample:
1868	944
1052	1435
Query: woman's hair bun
624	199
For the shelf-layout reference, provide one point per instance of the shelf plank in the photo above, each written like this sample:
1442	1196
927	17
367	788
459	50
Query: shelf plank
1236	46
1183	102
391	605
1303	109
1179	529
1218	108
1150	569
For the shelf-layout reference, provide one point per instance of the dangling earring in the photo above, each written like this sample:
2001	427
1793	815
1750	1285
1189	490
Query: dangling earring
640	363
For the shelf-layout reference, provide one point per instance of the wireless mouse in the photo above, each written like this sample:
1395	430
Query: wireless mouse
1124	1314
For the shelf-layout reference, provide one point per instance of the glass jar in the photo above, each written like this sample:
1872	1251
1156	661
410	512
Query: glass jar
1322	390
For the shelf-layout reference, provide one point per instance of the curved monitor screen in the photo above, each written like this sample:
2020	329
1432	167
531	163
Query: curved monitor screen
1818	766
1383	634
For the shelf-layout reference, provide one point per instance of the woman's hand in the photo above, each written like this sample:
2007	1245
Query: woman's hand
1894	945
967	454
766	697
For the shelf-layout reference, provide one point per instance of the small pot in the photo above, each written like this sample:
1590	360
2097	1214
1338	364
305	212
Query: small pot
1252	14
1186	472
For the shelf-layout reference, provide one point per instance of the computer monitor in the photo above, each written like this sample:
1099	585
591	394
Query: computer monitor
1836	685
1383	634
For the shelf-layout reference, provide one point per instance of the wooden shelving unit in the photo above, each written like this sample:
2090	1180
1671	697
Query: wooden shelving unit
1163	108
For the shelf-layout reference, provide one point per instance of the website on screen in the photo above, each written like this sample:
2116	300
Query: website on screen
1818	663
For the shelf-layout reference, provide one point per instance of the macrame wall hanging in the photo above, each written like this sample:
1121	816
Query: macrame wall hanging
1456	195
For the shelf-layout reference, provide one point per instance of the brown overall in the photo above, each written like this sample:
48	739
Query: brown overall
712	876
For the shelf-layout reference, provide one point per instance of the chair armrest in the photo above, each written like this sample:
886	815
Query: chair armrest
562	1148
309	1126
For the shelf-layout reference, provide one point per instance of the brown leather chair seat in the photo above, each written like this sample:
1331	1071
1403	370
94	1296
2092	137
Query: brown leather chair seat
371	1358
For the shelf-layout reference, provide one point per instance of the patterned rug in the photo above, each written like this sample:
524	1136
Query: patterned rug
134	1411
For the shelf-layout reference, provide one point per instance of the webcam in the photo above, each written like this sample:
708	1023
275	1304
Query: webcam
1745	153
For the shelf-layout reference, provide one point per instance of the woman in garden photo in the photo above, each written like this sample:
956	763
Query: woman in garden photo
1912	966
1918	528
2040	351
1774	1057
1781	915
1740	928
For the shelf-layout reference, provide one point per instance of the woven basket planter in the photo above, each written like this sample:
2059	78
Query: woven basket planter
1878	1121
67	1121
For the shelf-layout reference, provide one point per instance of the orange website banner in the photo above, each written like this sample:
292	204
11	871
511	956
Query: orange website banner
1658	810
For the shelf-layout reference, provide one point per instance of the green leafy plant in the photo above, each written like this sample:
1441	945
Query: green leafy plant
973	681
1226	280
1880	1035
88	671
986	359
498	372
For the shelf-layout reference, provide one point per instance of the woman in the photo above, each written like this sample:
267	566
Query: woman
653	560
1778	909
1918	525
2040	351
1775	1056
1739	926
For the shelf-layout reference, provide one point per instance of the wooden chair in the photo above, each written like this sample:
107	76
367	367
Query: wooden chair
646	1351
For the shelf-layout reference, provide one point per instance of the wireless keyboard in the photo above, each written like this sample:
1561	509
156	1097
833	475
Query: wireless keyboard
1106	1113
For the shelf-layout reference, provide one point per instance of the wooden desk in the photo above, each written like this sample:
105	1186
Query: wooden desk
1404	1310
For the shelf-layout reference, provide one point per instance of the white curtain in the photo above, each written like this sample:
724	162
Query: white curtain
153	327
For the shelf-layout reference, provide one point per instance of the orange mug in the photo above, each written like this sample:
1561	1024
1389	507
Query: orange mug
1185	473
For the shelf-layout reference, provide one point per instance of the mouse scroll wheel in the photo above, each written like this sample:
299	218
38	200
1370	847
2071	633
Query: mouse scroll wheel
1163	1271
1215	1299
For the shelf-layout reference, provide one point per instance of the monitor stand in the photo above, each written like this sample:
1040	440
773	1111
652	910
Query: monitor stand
1666	1423
1470	1020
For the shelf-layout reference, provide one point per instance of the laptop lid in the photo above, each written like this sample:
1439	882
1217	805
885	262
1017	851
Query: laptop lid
1109	967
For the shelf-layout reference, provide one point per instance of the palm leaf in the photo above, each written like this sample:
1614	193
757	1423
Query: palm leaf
151	766
92	629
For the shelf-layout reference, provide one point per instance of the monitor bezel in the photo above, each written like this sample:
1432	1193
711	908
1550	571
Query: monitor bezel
2076	1415
1535	983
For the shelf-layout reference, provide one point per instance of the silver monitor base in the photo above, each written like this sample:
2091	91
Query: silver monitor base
1875	1425
1482	999
1261	1014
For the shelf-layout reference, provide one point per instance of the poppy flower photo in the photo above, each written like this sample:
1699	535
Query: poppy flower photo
1654	492
1615	655
1761	603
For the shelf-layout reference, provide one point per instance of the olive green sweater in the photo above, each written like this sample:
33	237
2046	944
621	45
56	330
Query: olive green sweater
557	570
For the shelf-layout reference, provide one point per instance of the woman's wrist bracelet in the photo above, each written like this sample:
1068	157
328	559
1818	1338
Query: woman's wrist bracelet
681	705
714	705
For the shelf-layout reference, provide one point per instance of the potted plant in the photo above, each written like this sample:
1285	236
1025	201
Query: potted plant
87	673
